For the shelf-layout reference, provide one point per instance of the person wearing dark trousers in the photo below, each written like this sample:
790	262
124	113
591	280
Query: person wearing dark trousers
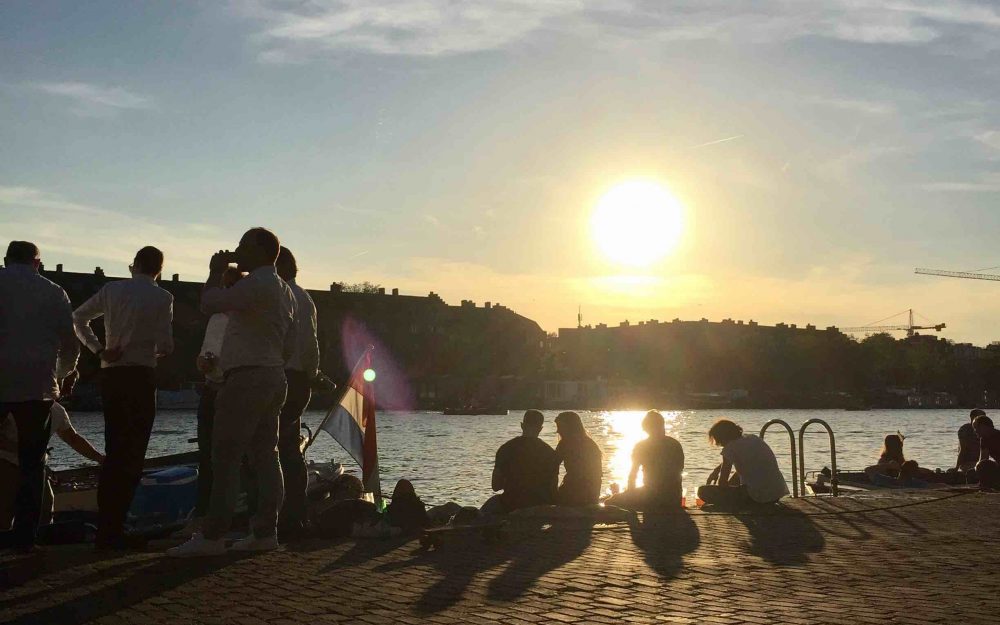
300	371
137	326
37	351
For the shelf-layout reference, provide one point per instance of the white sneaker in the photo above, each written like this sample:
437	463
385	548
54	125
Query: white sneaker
252	543
198	545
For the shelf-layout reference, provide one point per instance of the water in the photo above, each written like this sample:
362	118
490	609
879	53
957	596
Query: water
451	457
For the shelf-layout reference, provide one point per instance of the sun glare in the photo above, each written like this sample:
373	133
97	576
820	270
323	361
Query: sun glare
638	222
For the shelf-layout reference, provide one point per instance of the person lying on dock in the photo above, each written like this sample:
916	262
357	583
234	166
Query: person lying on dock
968	443
909	477
526	470
582	459
661	459
760	480
988	468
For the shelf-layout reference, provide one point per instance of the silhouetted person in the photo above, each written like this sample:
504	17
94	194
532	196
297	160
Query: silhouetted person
891	459
968	443
137	330
406	511
526	470
209	364
661	460
988	467
909	477
582	459
38	350
300	371
757	477
256	346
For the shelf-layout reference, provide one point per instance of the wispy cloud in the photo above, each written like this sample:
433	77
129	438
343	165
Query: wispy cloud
708	143
869	107
67	230
93	100
298	31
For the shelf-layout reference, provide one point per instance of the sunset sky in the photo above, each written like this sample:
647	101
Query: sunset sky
820	150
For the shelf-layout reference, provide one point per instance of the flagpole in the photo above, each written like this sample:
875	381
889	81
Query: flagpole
336	404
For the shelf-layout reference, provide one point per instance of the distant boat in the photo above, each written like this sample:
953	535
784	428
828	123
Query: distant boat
475	412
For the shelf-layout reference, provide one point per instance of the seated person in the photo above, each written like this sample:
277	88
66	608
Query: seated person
583	461
345	508
526	470
988	468
968	443
760	480
406	511
661	459
909	473
61	426
891	458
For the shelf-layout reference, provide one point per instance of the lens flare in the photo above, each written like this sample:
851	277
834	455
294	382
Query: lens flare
369	375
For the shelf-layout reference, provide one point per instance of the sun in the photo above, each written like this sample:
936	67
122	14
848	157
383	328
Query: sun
638	222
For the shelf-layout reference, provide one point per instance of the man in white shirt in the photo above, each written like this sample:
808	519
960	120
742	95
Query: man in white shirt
137	330
37	350
300	371
258	342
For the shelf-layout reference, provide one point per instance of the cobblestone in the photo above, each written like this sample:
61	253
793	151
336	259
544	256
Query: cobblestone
823	560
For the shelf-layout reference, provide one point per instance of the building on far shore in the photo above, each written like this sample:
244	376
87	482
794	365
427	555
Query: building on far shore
428	354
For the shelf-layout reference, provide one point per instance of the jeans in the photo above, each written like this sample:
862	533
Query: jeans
725	496
293	466
246	422
129	398
32	421
206	417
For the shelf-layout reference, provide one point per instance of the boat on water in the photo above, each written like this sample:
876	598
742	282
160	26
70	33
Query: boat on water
474	411
859	480
166	494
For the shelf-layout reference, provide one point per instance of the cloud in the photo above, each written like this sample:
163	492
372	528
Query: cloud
299	31
67	231
868	107
93	100
990	138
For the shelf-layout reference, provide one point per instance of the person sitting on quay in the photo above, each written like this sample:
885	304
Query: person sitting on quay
583	460
988	467
968	443
757	479
661	459
61	426
891	459
526	470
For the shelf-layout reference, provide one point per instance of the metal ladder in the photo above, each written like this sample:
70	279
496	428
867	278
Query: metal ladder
802	454
791	440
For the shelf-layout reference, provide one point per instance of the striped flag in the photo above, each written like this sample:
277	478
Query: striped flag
351	422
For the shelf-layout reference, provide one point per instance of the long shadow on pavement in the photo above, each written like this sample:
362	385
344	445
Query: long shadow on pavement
664	539
531	550
783	536
149	579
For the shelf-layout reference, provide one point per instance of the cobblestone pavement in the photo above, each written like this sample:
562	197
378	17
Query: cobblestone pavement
815	561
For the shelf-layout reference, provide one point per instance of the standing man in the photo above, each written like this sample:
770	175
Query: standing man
300	371
137	330
37	349
257	344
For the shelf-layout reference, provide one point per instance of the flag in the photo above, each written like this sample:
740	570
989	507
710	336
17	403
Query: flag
351	422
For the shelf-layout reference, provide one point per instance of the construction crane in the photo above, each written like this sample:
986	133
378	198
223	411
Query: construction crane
909	327
971	275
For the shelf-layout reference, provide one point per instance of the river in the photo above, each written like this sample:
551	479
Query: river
451	457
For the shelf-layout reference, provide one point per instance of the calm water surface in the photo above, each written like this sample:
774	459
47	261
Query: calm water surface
451	457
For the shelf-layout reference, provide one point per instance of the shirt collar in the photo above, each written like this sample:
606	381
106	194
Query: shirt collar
20	268
264	270
141	277
290	282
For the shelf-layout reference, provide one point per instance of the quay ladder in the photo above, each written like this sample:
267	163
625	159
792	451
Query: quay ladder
802	455
791	440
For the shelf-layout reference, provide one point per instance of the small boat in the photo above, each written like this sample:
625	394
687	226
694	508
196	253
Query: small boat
475	412
859	480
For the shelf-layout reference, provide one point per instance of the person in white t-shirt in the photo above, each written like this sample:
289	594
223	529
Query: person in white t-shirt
749	472
60	426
